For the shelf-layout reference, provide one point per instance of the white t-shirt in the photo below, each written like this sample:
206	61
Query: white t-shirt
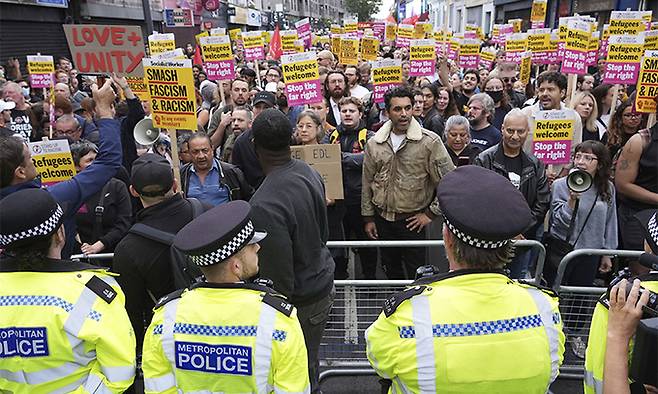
359	92
396	140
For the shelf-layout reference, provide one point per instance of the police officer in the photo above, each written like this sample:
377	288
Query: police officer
225	334
596	344
471	330
63	326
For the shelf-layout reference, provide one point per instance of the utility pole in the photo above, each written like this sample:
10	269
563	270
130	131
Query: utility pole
146	7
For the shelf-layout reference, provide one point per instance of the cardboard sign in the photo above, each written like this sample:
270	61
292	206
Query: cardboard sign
304	31
139	88
515	44
159	43
552	136
300	73
369	48
626	23
623	62
218	60
253	45
349	51
593	48
325	159
647	83
171	88
41	69
538	13
386	74
526	67
422	58
288	38
350	26
178	17
106	49
539	42
53	160
420	30
453	48
391	31
576	47
469	53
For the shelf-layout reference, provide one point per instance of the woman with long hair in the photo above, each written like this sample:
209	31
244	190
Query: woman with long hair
446	103
603	94
431	116
495	88
584	104
625	122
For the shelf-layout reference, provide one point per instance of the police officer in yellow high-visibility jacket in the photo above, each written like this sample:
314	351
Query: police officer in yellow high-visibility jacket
63	326
598	332
224	335
472	330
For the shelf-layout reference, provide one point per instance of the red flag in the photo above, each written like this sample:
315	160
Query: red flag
197	56
276	50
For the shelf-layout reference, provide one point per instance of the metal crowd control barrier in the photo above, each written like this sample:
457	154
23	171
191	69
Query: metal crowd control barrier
577	305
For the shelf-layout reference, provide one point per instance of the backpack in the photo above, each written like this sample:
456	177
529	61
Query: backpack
184	271
334	138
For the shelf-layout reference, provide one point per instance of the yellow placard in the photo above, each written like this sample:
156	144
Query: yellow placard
391	31
422	52
349	51
40	67
406	31
215	52
384	75
337	29
647	84
202	34
138	87
439	36
487	55
577	40
554	130
620	27
420	29
288	38
539	42
299	46
300	71
52	160
350	27
651	40
266	36
369	48
516	45
516	24
252	40
526	67
466	49
625	53
171	88
158	45
335	43
235	34
538	13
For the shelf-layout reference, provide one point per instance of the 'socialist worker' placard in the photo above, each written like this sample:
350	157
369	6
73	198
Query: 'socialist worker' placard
386	74
159	43
623	62
41	69
553	136
218	57
422	58
647	83
138	87
171	87
53	160
300	72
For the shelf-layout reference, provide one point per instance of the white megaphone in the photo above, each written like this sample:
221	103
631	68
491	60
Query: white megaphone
579	181
145	133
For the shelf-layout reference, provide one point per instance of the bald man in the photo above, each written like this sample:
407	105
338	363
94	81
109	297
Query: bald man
89	128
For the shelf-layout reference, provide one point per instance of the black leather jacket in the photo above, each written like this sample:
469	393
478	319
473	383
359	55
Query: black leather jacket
534	183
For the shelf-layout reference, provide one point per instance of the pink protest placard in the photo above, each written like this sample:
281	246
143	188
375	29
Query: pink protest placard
378	28
253	45
576	47
553	136
41	69
300	73
304	31
469	53
422	58
386	74
622	65
218	60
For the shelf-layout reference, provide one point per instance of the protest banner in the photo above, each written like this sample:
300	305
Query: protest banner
405	35
41	69
106	49
53	160
161	42
326	160
487	57
218	31
539	42
553	136
138	87
300	73
575	49
288	38
538	13
349	50
253	45
218	60
469	53
623	62
304	31
647	83
650	40
515	44
422	58
526	67
235	35
391	31
626	23
386	74
379	29
171	88
369	48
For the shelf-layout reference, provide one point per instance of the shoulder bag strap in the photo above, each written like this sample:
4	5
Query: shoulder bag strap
98	213
591	209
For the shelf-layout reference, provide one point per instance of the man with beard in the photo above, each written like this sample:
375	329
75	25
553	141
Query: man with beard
282	103
470	82
480	112
354	81
335	88
241	122
352	135
220	118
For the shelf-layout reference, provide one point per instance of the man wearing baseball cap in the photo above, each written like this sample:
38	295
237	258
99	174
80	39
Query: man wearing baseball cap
63	327
226	334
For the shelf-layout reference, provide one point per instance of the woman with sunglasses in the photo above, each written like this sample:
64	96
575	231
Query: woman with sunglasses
625	122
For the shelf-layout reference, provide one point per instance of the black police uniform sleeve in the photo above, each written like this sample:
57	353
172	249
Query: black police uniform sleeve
394	301
171	296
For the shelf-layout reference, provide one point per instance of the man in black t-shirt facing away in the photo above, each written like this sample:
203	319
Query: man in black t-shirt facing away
480	112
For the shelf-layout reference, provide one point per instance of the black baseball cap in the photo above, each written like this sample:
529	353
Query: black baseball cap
152	175
248	72
264	97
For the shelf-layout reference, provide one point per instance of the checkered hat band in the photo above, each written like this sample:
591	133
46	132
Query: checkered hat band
44	228
469	239
228	250
653	227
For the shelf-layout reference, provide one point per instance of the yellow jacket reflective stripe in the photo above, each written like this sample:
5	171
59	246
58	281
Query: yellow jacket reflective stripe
597	342
224	339
469	332
58	335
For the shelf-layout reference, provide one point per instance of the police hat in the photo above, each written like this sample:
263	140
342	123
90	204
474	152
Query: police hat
649	220
27	215
482	208
218	234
